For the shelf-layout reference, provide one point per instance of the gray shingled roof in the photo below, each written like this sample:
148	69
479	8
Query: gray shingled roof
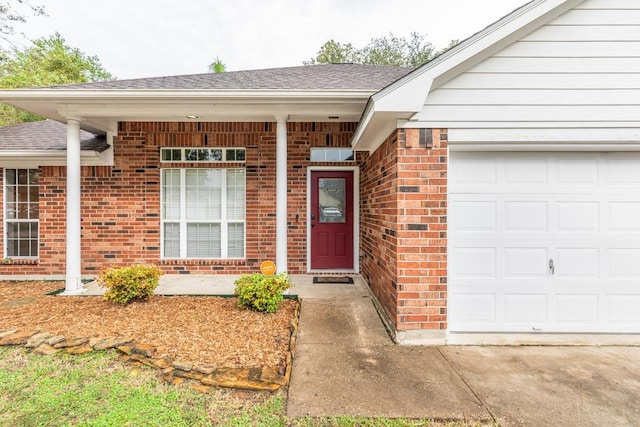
310	77
46	135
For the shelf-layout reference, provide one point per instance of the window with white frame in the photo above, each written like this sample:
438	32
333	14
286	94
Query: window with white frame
203	213
331	155
21	213
208	155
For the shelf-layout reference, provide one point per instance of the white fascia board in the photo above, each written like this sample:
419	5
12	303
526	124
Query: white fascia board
62	95
33	158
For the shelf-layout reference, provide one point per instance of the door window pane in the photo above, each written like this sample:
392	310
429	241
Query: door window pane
332	199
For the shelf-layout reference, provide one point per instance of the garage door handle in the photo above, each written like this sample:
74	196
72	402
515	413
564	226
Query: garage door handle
552	267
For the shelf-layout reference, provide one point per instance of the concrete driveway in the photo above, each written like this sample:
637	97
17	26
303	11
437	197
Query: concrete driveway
345	364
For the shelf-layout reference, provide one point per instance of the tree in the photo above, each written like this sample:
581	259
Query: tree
333	52
48	61
217	66
13	12
387	50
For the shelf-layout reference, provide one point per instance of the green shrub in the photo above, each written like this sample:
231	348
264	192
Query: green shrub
127	284
260	292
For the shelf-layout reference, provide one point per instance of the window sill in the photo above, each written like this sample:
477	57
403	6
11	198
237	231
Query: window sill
18	261
203	262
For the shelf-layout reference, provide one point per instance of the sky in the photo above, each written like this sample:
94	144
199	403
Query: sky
147	38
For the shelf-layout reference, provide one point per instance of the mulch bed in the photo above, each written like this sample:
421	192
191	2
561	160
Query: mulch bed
203	329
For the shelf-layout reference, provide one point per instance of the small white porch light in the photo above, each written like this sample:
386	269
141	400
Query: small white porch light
191	116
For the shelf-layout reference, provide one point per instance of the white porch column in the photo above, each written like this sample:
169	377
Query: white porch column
281	194
73	283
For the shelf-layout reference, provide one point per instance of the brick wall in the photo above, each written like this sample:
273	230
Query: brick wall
404	226
121	204
378	224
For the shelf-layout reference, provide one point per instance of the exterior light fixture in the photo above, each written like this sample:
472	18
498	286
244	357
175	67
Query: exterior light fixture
192	116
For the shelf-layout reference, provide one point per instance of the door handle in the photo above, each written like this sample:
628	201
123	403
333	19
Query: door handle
552	267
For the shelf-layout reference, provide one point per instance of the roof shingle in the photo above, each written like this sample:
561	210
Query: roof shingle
309	77
46	135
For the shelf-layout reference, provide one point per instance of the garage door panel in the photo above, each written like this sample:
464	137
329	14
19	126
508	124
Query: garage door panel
580	209
525	262
475	262
577	309
623	171
582	263
476	308
475	215
526	216
581	171
577	216
624	263
623	309
528	309
532	170
624	216
478	170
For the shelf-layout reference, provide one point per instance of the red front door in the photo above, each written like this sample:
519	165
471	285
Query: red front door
331	220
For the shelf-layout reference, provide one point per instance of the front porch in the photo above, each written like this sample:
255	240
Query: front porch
223	284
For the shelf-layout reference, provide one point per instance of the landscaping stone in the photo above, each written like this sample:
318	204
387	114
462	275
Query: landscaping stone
46	349
248	379
125	349
82	349
183	366
189	375
55	340
162	362
18	337
38	339
172	371
72	342
111	343
205	369
144	349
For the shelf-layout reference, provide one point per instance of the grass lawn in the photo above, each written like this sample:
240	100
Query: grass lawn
99	390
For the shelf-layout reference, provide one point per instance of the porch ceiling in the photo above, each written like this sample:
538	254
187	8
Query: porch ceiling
100	110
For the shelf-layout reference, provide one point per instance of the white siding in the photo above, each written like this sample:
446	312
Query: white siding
580	70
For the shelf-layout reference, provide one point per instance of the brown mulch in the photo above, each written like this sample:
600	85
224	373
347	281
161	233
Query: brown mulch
203	330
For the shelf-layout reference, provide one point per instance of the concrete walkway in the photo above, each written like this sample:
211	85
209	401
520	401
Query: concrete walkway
345	364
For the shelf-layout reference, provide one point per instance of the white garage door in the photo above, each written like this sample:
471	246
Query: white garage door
544	242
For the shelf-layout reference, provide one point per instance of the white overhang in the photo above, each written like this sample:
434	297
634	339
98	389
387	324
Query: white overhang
100	110
35	158
404	98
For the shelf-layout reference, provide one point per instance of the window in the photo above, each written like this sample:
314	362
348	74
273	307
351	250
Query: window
21	212
331	154
192	155
203	213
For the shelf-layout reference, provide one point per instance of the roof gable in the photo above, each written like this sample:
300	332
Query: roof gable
405	97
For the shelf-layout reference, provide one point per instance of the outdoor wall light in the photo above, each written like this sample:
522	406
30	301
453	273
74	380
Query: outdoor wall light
191	116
